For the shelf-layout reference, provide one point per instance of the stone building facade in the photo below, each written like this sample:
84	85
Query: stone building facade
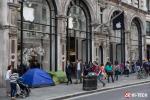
60	30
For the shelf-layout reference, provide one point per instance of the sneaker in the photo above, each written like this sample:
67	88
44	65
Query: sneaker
13	98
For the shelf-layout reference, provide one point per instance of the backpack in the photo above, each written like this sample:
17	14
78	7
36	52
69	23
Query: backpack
108	68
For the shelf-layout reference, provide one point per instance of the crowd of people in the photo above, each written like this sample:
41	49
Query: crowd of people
106	71
103	72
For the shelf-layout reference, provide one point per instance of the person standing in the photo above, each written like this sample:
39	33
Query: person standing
132	67
127	69
79	71
117	70
85	69
109	71
68	72
146	67
13	83
7	78
138	66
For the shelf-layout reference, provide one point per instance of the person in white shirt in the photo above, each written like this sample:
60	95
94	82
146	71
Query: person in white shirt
13	83
7	78
79	71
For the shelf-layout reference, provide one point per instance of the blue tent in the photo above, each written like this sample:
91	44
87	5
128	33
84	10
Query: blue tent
37	78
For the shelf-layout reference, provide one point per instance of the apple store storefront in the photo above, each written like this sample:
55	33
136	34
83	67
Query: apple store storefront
38	43
42	45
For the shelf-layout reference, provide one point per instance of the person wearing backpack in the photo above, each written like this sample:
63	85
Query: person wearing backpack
109	71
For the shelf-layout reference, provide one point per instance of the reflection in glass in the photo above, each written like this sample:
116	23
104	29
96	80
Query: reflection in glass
36	32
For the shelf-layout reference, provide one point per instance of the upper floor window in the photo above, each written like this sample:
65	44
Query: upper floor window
101	14
148	4
148	28
77	19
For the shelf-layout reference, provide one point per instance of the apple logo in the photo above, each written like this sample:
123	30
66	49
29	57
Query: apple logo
28	14
70	22
118	25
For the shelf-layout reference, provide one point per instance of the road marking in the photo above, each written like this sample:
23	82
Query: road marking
86	95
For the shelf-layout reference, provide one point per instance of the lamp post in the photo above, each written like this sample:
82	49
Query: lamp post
21	32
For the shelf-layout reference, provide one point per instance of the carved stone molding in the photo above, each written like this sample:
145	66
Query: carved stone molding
12	35
13	5
3	27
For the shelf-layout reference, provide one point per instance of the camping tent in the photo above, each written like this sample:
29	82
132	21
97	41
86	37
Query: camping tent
37	78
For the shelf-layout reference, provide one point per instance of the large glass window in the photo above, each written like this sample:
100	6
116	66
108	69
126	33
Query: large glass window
39	39
116	43
78	32
148	28
134	42
78	18
148	4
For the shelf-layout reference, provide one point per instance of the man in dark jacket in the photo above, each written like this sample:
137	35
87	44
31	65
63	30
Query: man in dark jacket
68	72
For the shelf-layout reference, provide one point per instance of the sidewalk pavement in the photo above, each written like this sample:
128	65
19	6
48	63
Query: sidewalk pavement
62	91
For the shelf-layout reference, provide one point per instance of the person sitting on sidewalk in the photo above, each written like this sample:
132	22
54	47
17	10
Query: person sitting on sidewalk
109	71
13	83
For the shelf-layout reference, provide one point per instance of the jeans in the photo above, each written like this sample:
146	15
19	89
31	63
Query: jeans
100	80
127	72
69	78
116	74
13	89
79	75
110	74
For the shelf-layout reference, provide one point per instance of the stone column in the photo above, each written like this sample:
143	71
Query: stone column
8	36
4	52
61	38
4	40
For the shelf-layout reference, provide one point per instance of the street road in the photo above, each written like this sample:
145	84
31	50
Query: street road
138	92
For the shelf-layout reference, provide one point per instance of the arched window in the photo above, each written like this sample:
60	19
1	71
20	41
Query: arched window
136	40
116	53
78	32
39	34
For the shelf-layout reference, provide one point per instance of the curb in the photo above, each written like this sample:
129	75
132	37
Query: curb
94	91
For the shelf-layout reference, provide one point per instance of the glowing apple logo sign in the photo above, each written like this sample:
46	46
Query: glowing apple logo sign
28	14
70	22
118	25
